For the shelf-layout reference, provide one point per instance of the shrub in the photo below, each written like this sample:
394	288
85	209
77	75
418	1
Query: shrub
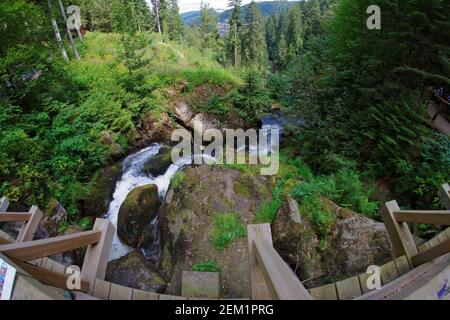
226	228
177	179
206	266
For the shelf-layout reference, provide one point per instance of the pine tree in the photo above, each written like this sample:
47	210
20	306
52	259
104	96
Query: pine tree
281	53
175	23
208	27
254	51
233	39
311	18
271	36
294	31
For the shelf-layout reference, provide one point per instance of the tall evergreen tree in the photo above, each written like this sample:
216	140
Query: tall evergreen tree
208	27
271	36
311	18
281	52
234	24
294	31
175	23
254	51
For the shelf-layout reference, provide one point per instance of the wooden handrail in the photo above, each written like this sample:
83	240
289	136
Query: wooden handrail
14	216
444	194
31	250
270	276
281	278
431	253
423	216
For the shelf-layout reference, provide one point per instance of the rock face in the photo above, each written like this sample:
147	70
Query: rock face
353	243
135	214
134	271
158	164
186	220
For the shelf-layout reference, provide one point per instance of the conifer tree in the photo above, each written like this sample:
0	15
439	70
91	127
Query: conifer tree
175	23
233	38
254	51
294	31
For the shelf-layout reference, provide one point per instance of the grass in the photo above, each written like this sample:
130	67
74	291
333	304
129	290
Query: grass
226	228
177	179
206	266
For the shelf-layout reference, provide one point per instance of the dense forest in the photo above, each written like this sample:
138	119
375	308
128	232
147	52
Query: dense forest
69	107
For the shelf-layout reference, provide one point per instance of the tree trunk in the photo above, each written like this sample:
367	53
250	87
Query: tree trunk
157	20
69	33
57	34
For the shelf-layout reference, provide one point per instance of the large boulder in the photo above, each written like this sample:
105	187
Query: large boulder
136	213
187	218
104	182
134	271
352	244
158	164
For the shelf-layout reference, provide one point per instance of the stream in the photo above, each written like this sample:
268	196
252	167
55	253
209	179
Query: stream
133	177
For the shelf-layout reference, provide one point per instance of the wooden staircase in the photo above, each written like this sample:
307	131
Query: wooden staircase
416	273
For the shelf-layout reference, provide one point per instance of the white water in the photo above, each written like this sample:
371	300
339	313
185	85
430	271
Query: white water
133	177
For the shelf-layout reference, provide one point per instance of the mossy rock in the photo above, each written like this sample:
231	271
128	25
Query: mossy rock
135	214
159	164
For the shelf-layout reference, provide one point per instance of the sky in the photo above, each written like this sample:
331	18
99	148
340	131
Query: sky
194	5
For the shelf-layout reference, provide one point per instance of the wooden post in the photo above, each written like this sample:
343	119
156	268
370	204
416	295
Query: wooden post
96	258
259	288
444	194
399	233
29	227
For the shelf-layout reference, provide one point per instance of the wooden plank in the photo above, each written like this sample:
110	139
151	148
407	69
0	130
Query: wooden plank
29	227
434	242
36	262
260	290
399	233
170	297
402	265
362	277
119	292
405	280
96	257
423	247
326	292
101	289
49	277
5	238
277	273
47	263
4	204
144	295
437	217
58	267
388	272
433	289
432	253
444	194
26	251
348	289
14	216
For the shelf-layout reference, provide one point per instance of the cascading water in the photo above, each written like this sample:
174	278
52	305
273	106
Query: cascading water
133	177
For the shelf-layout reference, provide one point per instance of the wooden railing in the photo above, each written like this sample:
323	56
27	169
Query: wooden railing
396	221
271	278
23	250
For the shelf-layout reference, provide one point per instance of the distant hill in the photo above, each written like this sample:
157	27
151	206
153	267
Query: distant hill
266	7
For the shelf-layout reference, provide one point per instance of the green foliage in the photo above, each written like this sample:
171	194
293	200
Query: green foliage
85	223
254	52
177	179
226	228
206	266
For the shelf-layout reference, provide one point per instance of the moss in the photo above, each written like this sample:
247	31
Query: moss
242	188
177	179
206	266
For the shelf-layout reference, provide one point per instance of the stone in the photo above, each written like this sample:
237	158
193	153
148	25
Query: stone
200	285
132	270
136	213
158	164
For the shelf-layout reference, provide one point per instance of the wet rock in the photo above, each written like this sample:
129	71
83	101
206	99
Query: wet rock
96	204
159	164
134	271
136	213
54	217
